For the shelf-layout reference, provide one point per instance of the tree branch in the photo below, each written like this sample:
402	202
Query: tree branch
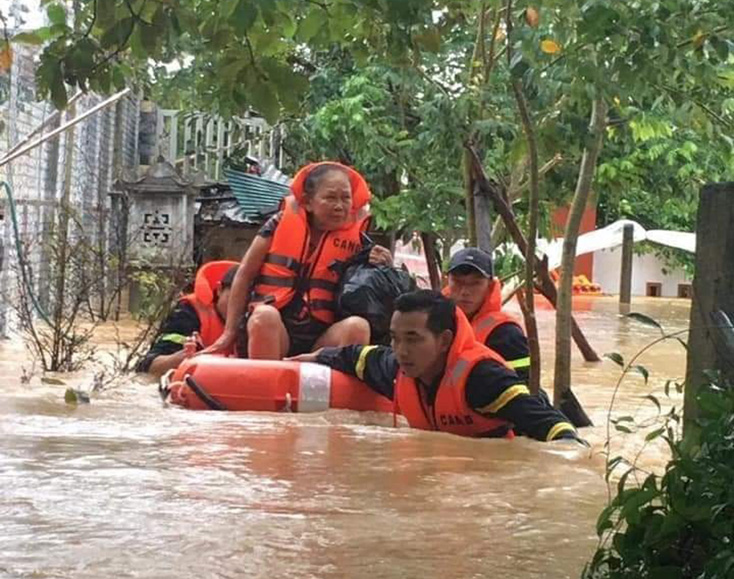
94	19
556	160
533	202
545	284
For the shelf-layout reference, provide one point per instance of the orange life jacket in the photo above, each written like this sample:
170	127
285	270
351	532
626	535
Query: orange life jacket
288	271
450	411
202	299
490	315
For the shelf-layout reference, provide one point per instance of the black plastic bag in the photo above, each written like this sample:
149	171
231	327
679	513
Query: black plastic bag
369	291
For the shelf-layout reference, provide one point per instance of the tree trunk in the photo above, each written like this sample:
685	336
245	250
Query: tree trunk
483	213
471	219
710	344
531	324
434	270
562	378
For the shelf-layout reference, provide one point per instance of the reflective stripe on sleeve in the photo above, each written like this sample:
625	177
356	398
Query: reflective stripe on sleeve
175	338
505	398
362	361
519	363
558	428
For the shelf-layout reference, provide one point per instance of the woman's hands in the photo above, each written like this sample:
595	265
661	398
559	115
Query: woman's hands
380	256
224	344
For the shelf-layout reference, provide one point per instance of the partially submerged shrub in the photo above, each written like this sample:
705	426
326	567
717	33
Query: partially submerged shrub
680	524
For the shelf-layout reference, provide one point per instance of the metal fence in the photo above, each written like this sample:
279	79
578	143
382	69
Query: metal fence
102	144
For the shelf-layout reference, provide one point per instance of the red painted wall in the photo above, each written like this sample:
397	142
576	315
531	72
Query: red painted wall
584	263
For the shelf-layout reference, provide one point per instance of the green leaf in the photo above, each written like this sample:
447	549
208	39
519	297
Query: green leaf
642	371
626	418
721	47
231	71
620	486
616	358
311	25
654	400
288	26
604	521
45	33
643	319
118	34
227	7
56	14
103	80
51	79
616	461
149	38
264	100
518	65
31	38
654	434
290	85
118	78
105	13
245	15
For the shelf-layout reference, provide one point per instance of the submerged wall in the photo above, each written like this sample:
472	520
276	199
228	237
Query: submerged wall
646	269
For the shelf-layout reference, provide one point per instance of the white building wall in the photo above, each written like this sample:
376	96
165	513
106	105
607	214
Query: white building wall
646	268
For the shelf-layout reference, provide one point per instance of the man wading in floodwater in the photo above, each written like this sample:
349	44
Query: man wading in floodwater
441	378
478	293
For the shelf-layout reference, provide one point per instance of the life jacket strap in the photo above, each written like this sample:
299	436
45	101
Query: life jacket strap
284	260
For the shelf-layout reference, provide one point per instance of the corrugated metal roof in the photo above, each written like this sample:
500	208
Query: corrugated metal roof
254	194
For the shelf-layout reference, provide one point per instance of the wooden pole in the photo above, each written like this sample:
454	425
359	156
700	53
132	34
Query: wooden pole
625	278
713	290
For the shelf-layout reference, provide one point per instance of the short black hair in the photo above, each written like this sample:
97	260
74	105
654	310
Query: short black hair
440	309
314	176
228	278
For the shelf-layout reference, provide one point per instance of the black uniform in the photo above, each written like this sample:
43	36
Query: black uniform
509	341
491	389
181	323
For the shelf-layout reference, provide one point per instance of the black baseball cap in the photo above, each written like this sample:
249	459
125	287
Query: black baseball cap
472	257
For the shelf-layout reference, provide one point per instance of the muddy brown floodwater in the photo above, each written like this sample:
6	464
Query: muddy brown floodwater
124	487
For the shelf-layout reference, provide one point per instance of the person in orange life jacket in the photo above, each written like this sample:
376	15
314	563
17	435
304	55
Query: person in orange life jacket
478	294
197	320
441	378
287	282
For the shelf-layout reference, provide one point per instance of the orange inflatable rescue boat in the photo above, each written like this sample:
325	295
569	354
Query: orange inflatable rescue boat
220	383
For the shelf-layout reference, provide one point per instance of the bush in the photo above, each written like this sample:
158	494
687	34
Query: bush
680	524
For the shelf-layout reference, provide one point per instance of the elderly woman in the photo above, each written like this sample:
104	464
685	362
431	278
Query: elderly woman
287	283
